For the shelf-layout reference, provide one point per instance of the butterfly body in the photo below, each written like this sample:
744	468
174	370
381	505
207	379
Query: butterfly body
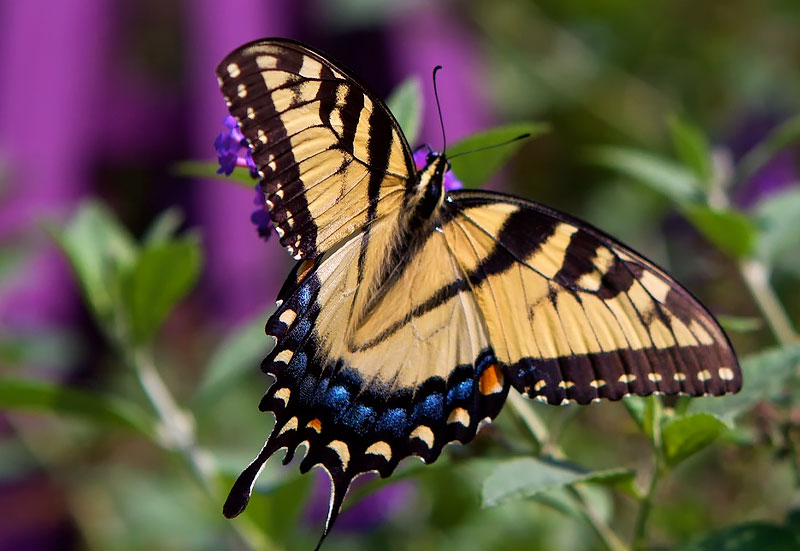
413	309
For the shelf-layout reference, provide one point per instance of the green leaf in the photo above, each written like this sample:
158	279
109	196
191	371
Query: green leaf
686	435
653	415
235	357
647	413
528	476
730	231
740	324
49	348
764	375
163	227
208	170
474	169
100	251
164	273
636	406
662	175
692	148
777	218
750	536
28	395
783	136
405	103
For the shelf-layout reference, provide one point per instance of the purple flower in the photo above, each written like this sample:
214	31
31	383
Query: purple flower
233	150
779	173
260	217
421	156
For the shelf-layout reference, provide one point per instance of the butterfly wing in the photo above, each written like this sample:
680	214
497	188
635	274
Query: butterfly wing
577	316
504	292
328	151
416	373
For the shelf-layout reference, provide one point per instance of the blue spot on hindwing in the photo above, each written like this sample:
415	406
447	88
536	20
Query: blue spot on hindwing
297	365
337	398
394	420
311	389
459	392
303	297
484	362
428	408
299	330
358	417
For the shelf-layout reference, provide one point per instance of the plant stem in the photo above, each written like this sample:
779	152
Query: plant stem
178	428
178	425
645	507
756	276
540	435
604	532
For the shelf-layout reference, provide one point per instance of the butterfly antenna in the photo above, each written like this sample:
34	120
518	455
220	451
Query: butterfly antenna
485	147
439	108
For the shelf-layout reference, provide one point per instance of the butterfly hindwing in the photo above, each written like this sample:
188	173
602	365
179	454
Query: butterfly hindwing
576	315
426	375
328	151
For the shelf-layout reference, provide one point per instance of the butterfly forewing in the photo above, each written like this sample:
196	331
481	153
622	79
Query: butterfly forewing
327	150
577	315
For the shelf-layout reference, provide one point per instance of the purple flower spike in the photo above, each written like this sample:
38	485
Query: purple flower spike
421	160
260	217
232	149
421	156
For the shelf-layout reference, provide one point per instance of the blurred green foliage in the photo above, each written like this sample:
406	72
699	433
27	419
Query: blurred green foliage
147	456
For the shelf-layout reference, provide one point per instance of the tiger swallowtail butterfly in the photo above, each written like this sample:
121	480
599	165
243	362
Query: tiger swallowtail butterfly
413	310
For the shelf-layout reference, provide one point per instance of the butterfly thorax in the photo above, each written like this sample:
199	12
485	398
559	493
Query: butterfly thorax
421	215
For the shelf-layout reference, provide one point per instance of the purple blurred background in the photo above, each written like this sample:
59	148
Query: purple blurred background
102	98
95	88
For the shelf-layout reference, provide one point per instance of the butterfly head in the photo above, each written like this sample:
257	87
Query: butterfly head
432	166
426	194
436	166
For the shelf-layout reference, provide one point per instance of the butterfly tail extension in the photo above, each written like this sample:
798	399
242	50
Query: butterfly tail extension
242	489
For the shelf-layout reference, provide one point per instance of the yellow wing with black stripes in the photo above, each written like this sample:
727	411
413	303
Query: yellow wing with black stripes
576	315
415	309
331	156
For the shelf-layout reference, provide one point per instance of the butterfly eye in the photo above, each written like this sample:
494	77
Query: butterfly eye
430	157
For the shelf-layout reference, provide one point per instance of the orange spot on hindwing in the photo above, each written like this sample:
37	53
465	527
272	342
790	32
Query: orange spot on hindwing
491	380
315	424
